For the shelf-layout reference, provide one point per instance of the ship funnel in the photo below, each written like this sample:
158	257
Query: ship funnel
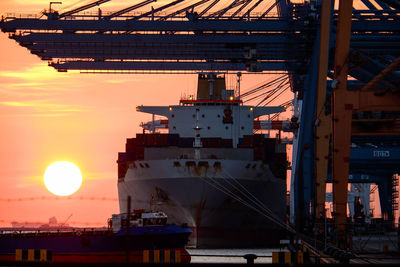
211	86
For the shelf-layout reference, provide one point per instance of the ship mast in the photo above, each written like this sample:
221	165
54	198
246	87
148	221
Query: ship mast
197	141
239	75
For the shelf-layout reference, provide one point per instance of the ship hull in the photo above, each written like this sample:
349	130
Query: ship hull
225	204
97	246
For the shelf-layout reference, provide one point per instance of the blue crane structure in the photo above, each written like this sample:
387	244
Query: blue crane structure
312	41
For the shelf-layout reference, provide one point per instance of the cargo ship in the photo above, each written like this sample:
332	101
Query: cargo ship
208	170
134	237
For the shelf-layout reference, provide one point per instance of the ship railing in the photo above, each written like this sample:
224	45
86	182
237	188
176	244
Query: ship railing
53	231
12	16
88	15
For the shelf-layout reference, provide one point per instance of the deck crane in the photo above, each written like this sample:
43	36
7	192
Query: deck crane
245	36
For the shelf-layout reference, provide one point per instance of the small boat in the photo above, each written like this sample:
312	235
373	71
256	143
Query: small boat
135	237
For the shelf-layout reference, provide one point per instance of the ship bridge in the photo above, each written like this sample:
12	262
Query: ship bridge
214	114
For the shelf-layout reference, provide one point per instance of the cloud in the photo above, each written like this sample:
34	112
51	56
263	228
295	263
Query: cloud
16	104
27	84
39	72
41	104
35	115
37	91
119	81
98	175
40	108
29	181
25	92
33	82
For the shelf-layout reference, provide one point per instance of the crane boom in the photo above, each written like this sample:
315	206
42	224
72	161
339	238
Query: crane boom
128	9
157	9
184	9
79	9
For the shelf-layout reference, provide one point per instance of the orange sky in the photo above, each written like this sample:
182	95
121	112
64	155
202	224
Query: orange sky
47	116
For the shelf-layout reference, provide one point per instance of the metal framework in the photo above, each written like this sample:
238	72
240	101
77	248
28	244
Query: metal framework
257	36
205	35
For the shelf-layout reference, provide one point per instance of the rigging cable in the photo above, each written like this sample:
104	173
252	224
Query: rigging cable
263	86
255	199
260	203
226	191
278	89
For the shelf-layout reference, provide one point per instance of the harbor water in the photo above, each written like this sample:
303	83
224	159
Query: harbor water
264	255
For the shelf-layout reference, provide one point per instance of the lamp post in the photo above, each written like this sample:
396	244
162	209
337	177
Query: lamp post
53	3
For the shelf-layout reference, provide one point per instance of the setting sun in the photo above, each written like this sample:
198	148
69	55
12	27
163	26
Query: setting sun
62	178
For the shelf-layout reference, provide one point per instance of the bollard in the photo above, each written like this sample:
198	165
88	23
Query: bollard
250	258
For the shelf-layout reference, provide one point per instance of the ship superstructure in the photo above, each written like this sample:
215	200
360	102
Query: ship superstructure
202	170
